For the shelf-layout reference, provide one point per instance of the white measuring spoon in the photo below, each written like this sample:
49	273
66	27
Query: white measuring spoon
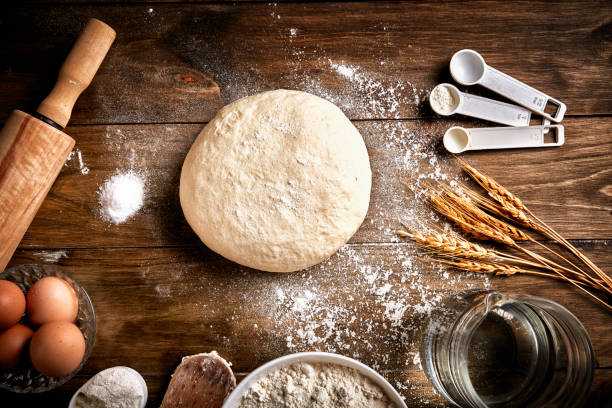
141	380
479	107
468	68
458	139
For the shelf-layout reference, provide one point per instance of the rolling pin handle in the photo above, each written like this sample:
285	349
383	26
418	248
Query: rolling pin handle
77	72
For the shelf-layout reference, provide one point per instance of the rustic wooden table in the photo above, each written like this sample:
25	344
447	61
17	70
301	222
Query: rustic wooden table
159	294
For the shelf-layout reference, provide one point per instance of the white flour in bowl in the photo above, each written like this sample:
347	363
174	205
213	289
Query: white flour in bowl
114	388
303	385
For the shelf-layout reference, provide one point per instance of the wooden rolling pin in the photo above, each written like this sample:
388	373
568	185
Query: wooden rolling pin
33	148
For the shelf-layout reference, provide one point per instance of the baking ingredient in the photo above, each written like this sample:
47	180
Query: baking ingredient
57	348
52	299
277	181
306	385
443	100
13	343
201	380
364	298
121	197
116	387
500	220
12	304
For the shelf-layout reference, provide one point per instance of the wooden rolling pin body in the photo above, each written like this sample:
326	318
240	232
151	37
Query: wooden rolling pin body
33	151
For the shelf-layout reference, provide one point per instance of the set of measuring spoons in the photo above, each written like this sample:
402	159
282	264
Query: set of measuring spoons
467	67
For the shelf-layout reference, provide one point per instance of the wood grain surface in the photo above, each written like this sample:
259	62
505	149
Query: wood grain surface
159	294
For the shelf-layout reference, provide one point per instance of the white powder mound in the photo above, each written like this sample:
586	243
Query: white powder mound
442	100
120	197
114	388
324	385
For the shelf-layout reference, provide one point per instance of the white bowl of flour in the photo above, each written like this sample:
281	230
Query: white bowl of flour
115	387
314	379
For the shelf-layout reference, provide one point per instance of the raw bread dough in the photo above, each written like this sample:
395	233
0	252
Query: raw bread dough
277	181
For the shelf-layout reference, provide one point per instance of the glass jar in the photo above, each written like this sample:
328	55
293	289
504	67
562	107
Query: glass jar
487	349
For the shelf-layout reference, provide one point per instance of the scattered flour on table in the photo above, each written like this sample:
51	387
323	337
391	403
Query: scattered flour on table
121	197
318	385
79	160
382	96
362	92
51	256
114	388
368	301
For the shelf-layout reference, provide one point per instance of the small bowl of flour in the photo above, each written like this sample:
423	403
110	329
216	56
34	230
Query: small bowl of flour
115	387
314	380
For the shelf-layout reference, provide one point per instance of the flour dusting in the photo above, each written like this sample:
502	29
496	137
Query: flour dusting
51	256
79	161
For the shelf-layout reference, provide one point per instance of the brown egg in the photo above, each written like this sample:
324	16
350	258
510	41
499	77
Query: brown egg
52	299
57	348
12	304
13	343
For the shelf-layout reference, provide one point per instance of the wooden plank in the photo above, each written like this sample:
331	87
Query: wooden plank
375	60
569	187
155	305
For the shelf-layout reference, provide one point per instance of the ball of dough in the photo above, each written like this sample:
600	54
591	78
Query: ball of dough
277	181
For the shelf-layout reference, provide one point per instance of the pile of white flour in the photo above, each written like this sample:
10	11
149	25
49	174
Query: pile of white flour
121	196
114	388
323	385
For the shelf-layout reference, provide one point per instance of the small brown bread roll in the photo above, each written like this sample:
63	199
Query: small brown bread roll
200	381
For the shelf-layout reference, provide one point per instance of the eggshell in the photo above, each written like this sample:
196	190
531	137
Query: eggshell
12	304
13	343
52	299
57	348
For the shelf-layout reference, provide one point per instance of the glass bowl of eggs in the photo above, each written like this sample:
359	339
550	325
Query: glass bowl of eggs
47	345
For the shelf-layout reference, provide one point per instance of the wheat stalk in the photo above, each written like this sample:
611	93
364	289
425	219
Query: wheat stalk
510	230
489	268
481	218
447	244
552	234
477	214
512	214
513	204
475	228
500	269
498	192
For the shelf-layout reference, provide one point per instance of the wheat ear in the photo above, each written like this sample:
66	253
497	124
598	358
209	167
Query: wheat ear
513	215
477	229
445	245
498	192
448	244
484	231
501	269
510	202
479	215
